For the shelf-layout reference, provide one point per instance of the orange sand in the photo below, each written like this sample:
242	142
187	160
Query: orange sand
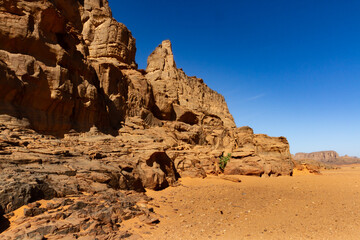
305	206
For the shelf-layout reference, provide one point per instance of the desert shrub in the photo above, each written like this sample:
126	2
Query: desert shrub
223	161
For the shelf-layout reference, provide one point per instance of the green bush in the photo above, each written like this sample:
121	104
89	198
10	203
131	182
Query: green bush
223	161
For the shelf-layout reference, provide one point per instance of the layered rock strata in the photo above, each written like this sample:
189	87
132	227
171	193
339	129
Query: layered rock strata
80	186
61	66
180	97
72	66
318	156
327	157
68	71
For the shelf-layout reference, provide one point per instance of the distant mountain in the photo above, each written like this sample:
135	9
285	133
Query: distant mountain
329	157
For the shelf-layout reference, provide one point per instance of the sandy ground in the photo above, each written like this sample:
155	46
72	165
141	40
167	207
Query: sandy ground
305	206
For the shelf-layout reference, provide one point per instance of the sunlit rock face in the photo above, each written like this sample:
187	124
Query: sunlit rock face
179	96
58	60
68	65
80	124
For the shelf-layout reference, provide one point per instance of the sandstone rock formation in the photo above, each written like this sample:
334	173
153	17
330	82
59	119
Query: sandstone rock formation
183	98
188	100
323	156
258	154
60	66
80	72
312	166
327	157
68	71
91	182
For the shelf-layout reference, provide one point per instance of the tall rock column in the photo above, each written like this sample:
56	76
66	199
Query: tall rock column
180	97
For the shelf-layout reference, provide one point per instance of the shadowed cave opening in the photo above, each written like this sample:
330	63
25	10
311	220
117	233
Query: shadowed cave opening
4	222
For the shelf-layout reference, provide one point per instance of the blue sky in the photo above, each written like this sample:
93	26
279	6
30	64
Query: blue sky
286	68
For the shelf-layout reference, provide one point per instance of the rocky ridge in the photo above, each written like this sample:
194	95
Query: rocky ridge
80	124
180	97
327	157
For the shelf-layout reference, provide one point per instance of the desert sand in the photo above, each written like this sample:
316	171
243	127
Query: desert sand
305	206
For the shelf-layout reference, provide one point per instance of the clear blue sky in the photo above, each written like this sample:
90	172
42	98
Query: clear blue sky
286	68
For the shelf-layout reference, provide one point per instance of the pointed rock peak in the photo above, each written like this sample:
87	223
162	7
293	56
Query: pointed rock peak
166	45
162	58
95	4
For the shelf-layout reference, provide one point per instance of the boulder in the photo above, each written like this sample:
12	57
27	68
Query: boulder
157	171
245	166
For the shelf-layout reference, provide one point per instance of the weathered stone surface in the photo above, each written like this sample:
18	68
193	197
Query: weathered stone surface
177	94
99	216
259	154
91	167
60	65
157	171
67	70
100	86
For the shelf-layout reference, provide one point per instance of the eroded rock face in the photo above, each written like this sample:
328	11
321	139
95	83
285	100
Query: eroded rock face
157	171
91	182
70	66
180	97
259	154
60	64
67	70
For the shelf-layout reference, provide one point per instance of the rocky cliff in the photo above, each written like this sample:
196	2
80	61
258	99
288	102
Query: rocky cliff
61	66
180	97
323	156
329	157
80	124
